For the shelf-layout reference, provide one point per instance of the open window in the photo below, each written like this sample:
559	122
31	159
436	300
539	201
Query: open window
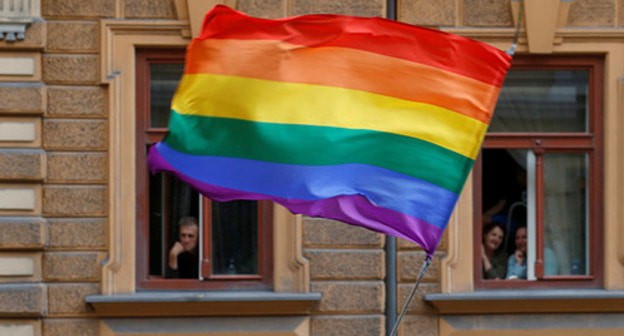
233	249
538	180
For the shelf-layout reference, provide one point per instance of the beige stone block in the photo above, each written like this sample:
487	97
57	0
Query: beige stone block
346	264
16	266
20	327
20	267
352	297
20	199
33	39
149	9
17	66
72	266
20	132
20	66
20	98
410	263
76	101
76	167
79	233
419	325
22	164
22	300
71	327
487	13
65	134
69	299
348	7
418	305
67	200
15	198
347	325
319	232
262	8
592	13
22	233
78	8
428	13
71	69
73	36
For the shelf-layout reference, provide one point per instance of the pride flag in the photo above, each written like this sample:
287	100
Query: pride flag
368	121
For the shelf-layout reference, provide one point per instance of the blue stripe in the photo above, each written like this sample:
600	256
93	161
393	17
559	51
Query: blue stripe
384	188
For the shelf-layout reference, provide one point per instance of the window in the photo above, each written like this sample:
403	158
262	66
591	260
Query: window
233	246
538	180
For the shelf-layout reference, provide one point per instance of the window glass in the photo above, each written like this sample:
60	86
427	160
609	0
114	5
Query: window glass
543	101
565	214
235	242
164	78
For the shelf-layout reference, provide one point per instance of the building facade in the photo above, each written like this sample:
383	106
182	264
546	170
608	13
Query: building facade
85	232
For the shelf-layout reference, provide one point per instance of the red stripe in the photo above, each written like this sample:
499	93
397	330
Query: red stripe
446	51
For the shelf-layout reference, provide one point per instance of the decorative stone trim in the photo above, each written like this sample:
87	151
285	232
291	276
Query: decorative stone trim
15	16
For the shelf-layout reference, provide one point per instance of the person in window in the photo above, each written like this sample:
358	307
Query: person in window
493	256
183	260
516	264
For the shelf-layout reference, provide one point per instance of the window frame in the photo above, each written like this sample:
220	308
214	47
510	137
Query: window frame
146	135
590	142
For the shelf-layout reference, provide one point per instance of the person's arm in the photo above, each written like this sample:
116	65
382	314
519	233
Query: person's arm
498	267
172	262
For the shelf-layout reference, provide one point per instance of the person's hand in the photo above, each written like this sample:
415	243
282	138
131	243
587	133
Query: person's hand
176	249
173	255
519	257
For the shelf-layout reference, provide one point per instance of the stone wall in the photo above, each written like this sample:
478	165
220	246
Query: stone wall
54	171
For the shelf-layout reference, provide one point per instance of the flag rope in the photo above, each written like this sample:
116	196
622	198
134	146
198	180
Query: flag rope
410	298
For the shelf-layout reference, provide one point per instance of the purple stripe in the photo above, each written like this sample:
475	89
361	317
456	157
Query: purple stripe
352	209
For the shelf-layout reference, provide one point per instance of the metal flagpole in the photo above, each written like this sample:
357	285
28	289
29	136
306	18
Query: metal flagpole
410	298
512	50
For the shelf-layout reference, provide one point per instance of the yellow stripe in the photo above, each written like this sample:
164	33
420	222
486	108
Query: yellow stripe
308	104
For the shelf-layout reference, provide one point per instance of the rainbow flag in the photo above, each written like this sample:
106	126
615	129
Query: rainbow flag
368	121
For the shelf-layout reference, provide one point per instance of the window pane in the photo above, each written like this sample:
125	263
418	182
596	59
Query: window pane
565	214
235	237
163	83
504	209
170	201
543	101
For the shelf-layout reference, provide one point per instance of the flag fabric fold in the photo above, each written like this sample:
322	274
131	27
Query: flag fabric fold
368	121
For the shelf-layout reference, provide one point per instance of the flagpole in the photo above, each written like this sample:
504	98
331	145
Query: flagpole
410	298
391	241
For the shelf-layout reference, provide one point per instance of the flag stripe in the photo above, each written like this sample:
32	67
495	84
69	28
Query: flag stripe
347	208
246	99
315	145
410	196
395	39
347	68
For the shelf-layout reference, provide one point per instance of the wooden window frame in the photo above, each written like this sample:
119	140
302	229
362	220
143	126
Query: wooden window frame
590	142
146	135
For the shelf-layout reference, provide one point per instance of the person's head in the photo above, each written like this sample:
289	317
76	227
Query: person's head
189	231
493	235
521	239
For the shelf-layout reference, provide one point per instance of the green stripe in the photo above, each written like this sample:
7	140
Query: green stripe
317	145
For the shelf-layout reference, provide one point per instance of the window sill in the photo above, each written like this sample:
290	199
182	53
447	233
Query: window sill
533	301
146	304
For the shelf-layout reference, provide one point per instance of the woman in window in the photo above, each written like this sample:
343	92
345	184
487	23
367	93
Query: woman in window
516	265
493	256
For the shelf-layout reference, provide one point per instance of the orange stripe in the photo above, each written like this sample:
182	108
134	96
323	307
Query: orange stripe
346	68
